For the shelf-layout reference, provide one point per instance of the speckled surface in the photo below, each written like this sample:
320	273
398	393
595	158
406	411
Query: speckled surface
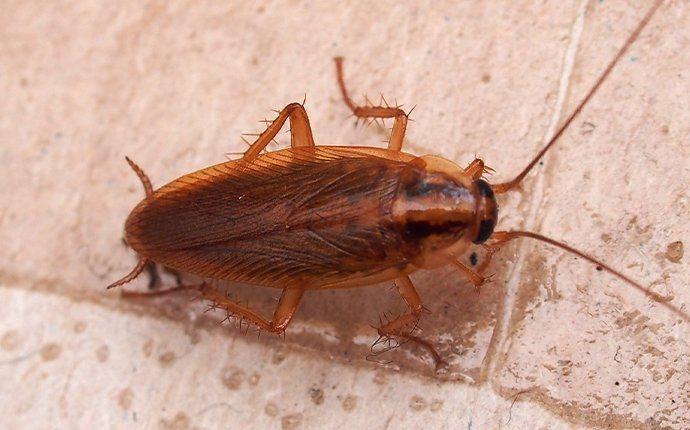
551	343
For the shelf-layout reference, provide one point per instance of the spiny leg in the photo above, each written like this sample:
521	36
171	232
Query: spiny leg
477	168
474	277
490	251
403	325
287	305
300	130
398	134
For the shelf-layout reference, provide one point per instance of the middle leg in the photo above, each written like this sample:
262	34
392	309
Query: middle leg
398	134
404	325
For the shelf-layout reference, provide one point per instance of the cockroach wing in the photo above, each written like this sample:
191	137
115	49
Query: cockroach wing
299	217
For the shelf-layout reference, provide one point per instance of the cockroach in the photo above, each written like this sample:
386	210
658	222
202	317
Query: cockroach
320	217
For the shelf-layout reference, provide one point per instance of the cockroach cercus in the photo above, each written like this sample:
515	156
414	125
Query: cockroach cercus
319	217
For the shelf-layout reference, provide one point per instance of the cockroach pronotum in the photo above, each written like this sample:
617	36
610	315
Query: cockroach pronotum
320	217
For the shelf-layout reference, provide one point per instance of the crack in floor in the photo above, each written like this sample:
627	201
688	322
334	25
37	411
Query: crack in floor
535	198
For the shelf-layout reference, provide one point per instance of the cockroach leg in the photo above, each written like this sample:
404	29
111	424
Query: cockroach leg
490	251
154	276
403	325
438	361
158	293
398	134
475	169
300	130
287	305
474	277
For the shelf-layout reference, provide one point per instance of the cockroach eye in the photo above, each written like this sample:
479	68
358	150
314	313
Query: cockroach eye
486	212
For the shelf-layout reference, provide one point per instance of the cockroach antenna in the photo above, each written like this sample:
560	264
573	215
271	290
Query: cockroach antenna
500	237
507	186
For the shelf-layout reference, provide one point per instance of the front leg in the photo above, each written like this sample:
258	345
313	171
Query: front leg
474	277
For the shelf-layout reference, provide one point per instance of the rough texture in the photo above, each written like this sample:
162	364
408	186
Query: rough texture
551	342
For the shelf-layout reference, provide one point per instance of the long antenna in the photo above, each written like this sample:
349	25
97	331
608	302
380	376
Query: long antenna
506	186
505	236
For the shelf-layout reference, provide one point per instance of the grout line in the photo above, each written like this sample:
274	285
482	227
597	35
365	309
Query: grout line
536	197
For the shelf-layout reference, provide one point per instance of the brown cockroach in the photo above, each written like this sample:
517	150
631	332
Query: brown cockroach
320	217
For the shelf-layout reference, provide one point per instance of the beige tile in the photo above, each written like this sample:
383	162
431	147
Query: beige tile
549	343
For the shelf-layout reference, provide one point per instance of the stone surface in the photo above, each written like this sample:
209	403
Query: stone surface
551	343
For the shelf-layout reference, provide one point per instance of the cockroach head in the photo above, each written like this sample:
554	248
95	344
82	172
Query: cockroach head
486	212
437	205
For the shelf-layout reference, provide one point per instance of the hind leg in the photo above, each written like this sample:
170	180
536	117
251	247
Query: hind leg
287	305
300	130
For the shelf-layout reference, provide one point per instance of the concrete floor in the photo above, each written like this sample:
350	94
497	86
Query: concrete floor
551	343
